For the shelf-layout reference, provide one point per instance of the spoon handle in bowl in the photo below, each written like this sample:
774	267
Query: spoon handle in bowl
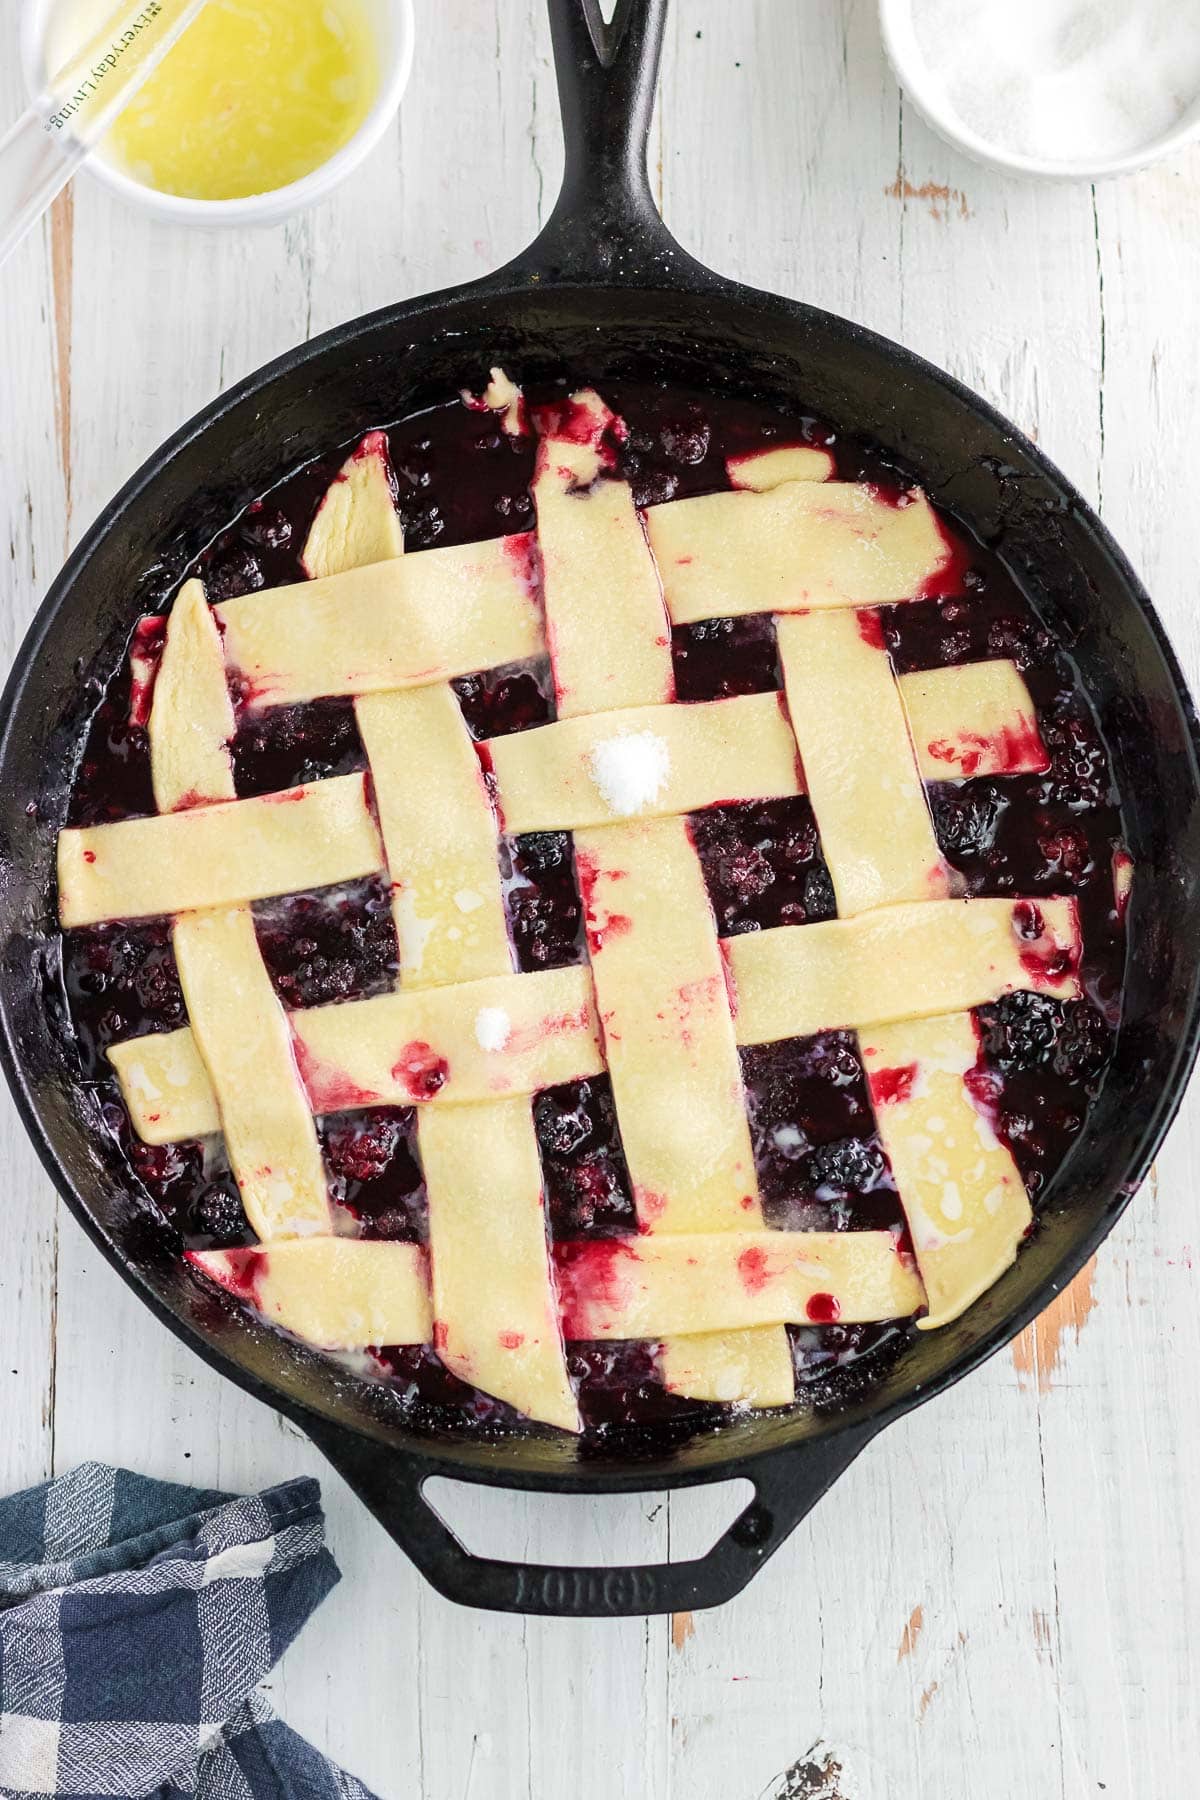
44	148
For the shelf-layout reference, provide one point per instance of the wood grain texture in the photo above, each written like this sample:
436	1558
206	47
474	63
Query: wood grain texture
998	1598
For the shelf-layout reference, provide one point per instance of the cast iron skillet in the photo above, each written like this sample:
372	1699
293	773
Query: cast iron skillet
603	292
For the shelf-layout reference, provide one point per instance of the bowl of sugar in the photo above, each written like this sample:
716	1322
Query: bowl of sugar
1062	89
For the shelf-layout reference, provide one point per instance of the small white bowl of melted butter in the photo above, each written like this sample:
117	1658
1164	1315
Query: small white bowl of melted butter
260	109
1061	89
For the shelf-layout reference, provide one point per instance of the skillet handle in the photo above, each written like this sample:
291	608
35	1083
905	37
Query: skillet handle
787	1485
605	226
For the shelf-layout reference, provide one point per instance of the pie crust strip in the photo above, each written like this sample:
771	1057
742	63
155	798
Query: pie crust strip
652	939
356	523
670	1284
344	1294
763	469
976	719
752	1366
797	547
496	1307
876	831
191	723
645	762
242	1035
520	1033
220	855
238	1025
595	562
656	761
910	961
476	1041
964	1199
336	1293
165	1087
973	719
401	623
439	832
669	1040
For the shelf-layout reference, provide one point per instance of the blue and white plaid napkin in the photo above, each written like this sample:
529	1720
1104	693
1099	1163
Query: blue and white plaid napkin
136	1619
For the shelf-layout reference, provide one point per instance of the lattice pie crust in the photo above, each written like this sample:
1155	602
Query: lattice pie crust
662	1004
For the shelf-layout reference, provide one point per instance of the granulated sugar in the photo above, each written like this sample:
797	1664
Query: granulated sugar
630	770
1067	81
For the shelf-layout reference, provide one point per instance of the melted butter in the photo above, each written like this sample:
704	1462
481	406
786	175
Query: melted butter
256	94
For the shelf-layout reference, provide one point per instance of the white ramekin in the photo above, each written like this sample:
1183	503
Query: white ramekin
392	25
912	72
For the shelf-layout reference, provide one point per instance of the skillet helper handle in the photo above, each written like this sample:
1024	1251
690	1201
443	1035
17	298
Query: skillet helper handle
605	225
787	1485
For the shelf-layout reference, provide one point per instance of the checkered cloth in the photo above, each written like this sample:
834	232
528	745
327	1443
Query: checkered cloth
136	1618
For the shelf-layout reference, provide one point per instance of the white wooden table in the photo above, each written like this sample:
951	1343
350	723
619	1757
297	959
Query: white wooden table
1001	1597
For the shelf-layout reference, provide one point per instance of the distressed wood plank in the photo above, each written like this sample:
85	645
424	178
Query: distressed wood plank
35	357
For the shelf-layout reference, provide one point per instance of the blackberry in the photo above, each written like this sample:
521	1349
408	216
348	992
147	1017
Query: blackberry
543	852
360	1146
966	815
497	705
852	1165
235	571
287	746
334	945
218	1217
587	1185
1020	1031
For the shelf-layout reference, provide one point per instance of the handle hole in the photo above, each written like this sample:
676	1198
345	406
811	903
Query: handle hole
601	1530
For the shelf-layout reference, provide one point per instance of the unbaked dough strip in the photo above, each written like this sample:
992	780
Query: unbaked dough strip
191	721
799	547
494	1303
596	562
753	1366
592	662
439	829
661	996
238	1025
977	719
400	623
163	1080
962	1194
764	469
336	1293
669	1284
911	961
440	833
165	1087
520	1033
356	522
973	719
645	761
498	1320
242	1035
876	831
222	855
475	1041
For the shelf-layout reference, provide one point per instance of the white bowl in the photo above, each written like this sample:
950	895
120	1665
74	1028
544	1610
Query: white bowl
392	25
912	72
